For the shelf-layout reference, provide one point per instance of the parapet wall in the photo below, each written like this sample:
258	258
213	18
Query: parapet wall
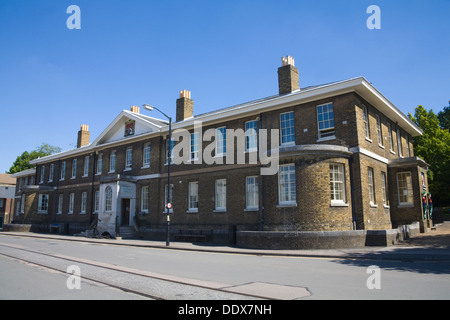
324	239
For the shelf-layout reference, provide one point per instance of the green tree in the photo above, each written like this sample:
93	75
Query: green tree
434	147
23	161
444	117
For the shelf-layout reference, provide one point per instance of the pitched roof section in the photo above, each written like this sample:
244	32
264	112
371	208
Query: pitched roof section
115	133
359	85
145	125
138	124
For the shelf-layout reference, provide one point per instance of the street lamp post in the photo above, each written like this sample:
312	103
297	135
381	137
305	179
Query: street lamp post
169	147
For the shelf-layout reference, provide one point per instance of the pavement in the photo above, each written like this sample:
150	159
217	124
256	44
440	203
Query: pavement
430	246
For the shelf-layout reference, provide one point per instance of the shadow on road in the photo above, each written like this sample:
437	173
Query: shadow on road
426	253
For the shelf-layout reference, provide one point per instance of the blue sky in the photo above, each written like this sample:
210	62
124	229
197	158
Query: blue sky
53	79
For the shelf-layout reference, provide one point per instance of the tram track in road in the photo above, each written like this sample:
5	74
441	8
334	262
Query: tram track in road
140	282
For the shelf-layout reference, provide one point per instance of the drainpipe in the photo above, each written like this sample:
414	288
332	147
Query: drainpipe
92	187
261	198
352	191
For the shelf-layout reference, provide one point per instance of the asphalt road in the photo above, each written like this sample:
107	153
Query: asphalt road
128	272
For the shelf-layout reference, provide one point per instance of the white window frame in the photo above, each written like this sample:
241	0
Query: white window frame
144	199
83	202
74	168
251	136
251	193
193	196
42	174
43	203
404	188
128	158
86	166
287	194
71	203
384	188
371	185
337	183
112	161
325	121
108	199
220	195
366	122
391	139
379	132
194	143
60	203
99	164
63	171
146	155
287	128
221	141
399	143
50	173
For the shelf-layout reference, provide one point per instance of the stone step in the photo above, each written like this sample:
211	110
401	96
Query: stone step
126	232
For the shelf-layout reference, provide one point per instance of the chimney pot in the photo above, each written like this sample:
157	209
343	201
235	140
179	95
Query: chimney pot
288	79
185	105
134	109
83	136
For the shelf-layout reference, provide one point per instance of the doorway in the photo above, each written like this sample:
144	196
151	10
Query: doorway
125	212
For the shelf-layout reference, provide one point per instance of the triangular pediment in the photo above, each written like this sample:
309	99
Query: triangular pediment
128	125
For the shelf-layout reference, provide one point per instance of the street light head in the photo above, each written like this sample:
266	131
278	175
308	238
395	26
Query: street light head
148	107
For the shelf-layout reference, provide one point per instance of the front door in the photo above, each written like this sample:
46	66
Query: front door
125	212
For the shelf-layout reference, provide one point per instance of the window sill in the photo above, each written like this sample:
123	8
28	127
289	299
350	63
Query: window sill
254	209
368	139
287	205
192	211
339	204
386	206
373	205
326	138
288	144
405	205
220	210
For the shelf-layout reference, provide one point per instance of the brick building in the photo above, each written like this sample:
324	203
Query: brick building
7	195
342	151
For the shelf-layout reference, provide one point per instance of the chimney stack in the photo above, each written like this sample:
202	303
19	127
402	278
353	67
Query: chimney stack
185	106
134	109
288	79
83	136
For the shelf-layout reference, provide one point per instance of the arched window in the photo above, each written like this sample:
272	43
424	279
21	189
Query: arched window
108	199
